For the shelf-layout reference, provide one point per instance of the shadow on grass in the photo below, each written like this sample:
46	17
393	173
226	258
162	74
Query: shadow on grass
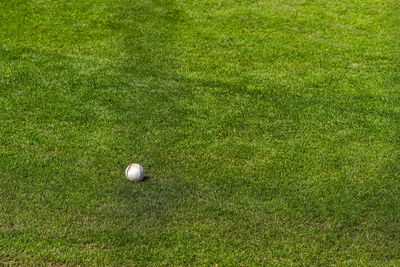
145	179
153	96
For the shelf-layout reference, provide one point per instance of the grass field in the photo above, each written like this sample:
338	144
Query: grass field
269	132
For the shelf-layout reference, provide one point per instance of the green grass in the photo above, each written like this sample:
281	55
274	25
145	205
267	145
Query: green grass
269	131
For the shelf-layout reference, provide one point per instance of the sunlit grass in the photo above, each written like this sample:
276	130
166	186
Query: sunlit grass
269	132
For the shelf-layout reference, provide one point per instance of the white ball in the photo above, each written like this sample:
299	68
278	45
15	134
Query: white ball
134	172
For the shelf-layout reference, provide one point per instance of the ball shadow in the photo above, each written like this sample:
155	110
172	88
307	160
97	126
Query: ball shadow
145	178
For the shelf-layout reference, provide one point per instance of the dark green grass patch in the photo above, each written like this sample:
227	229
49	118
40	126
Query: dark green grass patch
269	132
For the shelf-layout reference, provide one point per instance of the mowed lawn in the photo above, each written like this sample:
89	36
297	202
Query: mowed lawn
269	132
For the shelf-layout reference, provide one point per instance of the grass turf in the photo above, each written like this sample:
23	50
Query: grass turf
269	131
